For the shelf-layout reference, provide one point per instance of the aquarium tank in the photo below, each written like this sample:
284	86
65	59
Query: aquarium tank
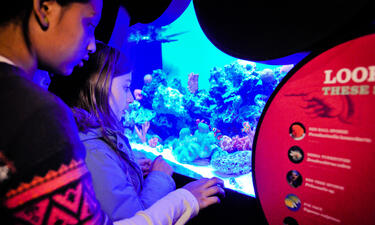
195	105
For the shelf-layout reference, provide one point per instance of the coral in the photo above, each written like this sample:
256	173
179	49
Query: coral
143	132
220	86
185	133
193	82
237	163
250	113
168	101
218	154
235	73
233	90
159	148
217	133
154	80
226	144
198	121
138	94
250	131
260	100
246	127
248	65
249	87
201	104
206	139
270	79
139	114
147	78
176	84
203	128
285	69
267	76
162	120
235	101
236	143
184	148
217	76
153	142
241	143
237	93
191	147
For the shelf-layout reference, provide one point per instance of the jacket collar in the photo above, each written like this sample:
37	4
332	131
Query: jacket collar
121	141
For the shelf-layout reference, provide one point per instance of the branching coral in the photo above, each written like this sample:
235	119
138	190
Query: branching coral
143	131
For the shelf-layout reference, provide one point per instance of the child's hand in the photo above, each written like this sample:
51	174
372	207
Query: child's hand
145	165
159	164
204	190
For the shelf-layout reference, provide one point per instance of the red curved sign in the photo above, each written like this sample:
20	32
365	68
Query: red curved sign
314	157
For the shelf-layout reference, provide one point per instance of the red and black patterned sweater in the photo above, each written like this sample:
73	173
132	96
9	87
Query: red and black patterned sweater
43	178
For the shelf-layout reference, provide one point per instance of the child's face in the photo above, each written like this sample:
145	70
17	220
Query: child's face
69	37
120	95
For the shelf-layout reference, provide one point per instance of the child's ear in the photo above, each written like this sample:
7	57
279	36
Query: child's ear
42	10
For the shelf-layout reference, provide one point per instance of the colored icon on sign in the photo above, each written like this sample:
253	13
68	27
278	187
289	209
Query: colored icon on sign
295	154
292	202
294	178
297	131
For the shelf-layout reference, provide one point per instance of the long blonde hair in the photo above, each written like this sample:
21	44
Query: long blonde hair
89	89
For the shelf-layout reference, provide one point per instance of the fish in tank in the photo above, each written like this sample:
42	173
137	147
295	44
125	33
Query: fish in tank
194	105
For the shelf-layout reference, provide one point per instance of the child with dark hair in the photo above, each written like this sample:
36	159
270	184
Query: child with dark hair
100	95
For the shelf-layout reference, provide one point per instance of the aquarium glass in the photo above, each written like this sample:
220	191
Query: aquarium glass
195	105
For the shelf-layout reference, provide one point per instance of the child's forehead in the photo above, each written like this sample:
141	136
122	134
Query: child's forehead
126	77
